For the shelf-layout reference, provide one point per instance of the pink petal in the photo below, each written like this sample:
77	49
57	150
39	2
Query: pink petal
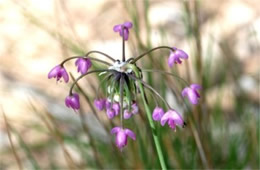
171	60
54	71
128	25
134	108
115	130
176	117
195	86
121	139
181	54
193	97
130	133
184	91
64	75
67	101
157	114
127	114
110	113
117	28
165	118
171	124
116	108
126	34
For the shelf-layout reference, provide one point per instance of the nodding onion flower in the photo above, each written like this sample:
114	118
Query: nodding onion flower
122	78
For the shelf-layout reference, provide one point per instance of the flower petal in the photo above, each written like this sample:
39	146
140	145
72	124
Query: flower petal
126	34
157	114
193	96
121	139
115	130
134	108
74	102
54	71
128	24
165	118
116	108
171	124
130	133
185	92
195	86
181	54
67	101
64	75
117	28
127	114
176	117
110	113
171	60
100	104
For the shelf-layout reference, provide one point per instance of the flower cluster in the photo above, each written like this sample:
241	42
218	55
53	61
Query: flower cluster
123	80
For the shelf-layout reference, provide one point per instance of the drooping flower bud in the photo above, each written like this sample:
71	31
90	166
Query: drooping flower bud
157	114
72	101
176	56
59	72
83	65
192	93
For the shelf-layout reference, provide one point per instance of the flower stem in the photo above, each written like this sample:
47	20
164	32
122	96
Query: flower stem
123	45
152	125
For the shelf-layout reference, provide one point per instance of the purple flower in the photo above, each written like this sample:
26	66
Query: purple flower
72	101
100	104
83	65
134	110
58	72
173	118
157	114
192	93
116	108
122	135
111	113
108	104
127	114
175	57
126	26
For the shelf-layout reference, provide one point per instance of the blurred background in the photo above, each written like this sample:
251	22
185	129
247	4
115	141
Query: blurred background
37	130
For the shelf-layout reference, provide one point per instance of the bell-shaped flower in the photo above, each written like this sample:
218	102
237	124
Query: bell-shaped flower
122	136
176	56
100	104
127	114
123	27
157	114
134	110
192	93
116	108
72	101
111	113
59	72
108	104
83	65
173	118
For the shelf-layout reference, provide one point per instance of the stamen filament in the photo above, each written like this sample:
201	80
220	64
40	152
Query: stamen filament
83	75
156	48
99	52
91	58
122	81
152	89
101	82
167	73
